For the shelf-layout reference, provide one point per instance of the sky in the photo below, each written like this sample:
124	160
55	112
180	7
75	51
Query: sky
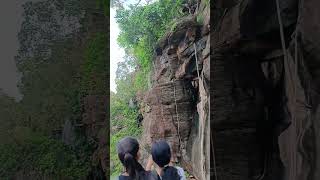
10	20
116	53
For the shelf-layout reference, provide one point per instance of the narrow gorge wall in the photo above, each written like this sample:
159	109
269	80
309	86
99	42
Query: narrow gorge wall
176	108
264	106
264	91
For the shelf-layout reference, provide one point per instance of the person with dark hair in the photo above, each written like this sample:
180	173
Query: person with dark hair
128	153
161	155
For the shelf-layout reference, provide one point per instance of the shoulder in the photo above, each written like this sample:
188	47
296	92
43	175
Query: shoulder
121	177
179	168
152	175
180	172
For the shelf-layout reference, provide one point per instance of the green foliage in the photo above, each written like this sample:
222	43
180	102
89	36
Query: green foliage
140	28
43	24
143	55
57	71
94	68
187	174
105	5
207	2
125	119
200	18
33	152
10	113
50	88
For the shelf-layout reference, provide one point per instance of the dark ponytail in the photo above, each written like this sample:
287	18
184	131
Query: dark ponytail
128	148
161	155
132	166
170	173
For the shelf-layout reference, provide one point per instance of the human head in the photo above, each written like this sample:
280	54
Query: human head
161	153
128	153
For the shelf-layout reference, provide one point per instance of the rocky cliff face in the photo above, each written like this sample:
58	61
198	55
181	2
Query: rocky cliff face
95	125
265	92
263	86
176	108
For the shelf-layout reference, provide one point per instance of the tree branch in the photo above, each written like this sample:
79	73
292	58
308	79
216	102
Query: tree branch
138	3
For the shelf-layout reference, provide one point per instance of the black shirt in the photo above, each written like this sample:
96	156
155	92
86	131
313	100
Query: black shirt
121	177
145	176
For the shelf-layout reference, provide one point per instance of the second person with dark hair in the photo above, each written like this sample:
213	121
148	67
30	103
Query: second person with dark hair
161	155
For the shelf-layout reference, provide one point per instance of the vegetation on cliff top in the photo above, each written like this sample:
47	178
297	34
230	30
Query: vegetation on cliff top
141	26
140	29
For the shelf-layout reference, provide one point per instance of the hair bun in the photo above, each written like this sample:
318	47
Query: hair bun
127	156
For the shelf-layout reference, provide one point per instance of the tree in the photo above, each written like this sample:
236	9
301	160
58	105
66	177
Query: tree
45	22
57	70
140	29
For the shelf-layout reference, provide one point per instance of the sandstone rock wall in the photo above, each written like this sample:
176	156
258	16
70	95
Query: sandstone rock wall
176	108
